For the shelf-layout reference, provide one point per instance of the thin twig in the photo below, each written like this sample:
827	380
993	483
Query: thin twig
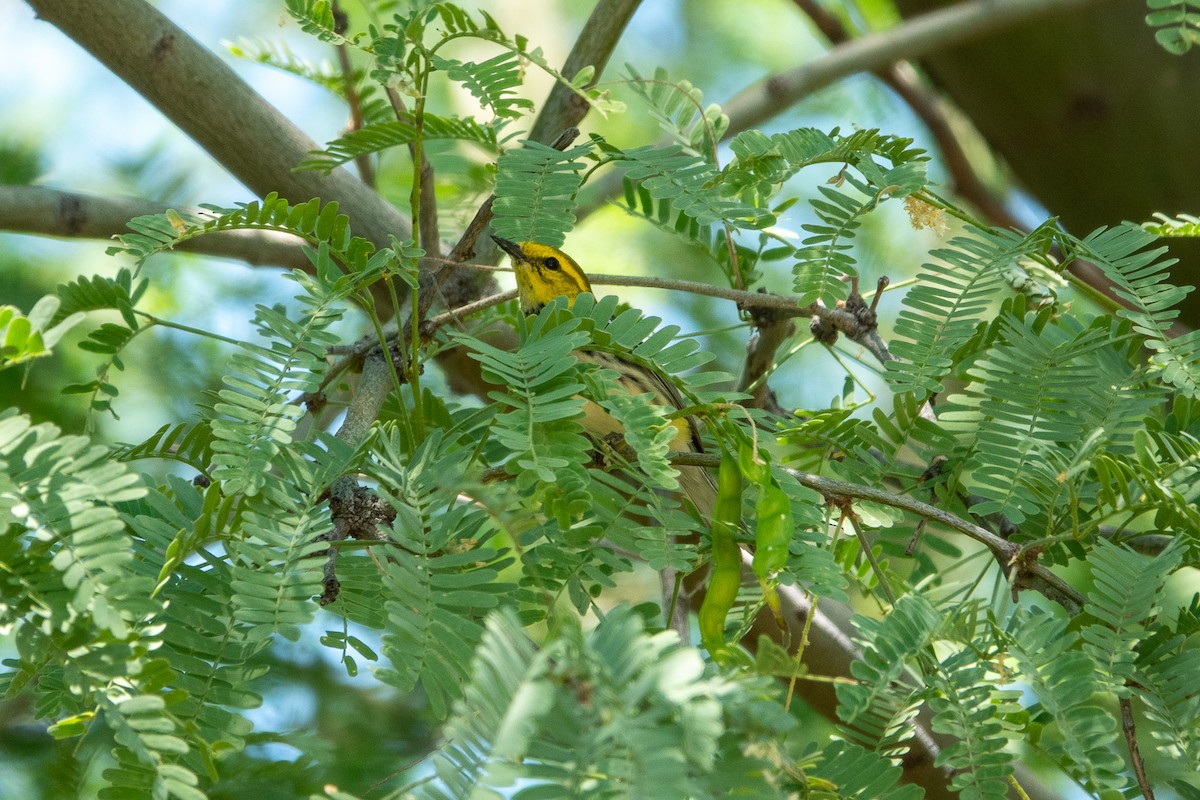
1135	753
366	171
850	322
1028	574
427	221
847	509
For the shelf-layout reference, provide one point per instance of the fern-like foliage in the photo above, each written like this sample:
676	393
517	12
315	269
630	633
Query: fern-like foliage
258	405
541	400
280	56
120	294
492	82
776	158
1035	399
1127	591
878	705
187	444
713	239
1169	685
941	313
319	224
687	180
1142	280
1062	676
503	706
443	577
69	582
84	543
535	192
275	573
316	17
824	259
679	108
649	723
1177	23
859	774
148	741
824	262
380	136
978	716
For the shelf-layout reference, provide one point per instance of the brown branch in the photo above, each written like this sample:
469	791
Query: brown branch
1024	572
564	108
209	102
1135	753
366	171
928	106
912	39
856	321
354	510
774	328
50	212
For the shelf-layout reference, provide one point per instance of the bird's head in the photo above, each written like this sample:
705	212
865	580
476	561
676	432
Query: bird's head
543	273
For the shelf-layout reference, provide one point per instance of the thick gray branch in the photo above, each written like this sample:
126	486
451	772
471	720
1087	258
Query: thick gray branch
50	212
830	652
910	40
209	102
563	108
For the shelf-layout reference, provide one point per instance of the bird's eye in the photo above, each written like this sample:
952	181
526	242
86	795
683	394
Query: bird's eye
552	263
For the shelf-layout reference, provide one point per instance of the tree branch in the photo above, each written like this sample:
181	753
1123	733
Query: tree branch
909	40
1135	752
774	328
208	101
925	103
1024	573
366	170
50	212
563	108
830	652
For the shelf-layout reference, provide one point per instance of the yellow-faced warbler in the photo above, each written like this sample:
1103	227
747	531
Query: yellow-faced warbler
544	273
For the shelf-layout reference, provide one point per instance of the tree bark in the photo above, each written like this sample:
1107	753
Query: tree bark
199	92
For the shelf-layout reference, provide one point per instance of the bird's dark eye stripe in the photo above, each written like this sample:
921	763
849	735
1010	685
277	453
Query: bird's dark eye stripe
552	263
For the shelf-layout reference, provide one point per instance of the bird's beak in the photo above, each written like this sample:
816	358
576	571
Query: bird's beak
510	247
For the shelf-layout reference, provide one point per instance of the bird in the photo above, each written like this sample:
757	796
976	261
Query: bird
545	273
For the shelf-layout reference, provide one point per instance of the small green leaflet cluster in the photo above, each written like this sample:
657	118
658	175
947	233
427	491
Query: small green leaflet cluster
535	192
680	110
1067	669
1141	279
406	56
24	338
337	250
1177	23
687	192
